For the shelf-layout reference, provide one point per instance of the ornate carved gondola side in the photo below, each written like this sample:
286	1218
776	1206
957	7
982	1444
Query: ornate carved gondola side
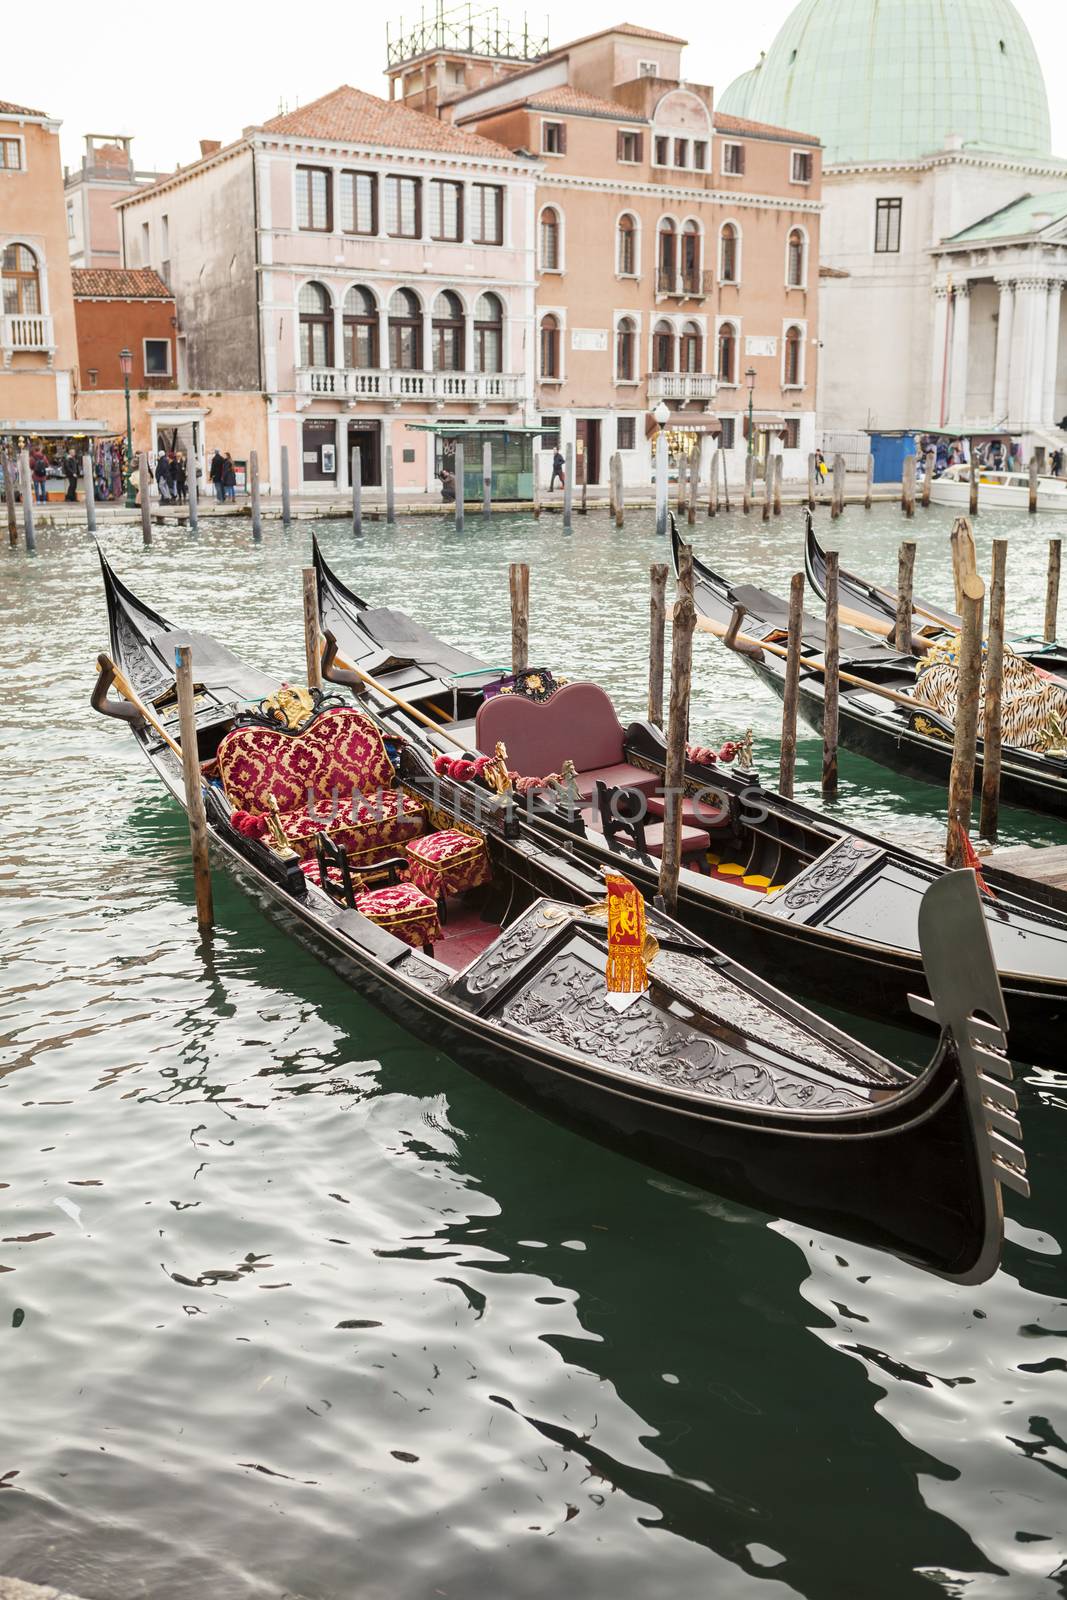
846	861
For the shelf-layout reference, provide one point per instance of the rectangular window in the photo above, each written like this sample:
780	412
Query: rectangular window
11	155
887	226
700	155
487	205
358	197
663	146
681	152
93	376
146	244
446	210
626	433
733	159
801	166
648	69
792	433
70	222
629	145
554	138
402	208
728	434
549	433
313	199
156	358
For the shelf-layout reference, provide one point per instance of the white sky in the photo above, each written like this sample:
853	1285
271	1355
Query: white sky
213	68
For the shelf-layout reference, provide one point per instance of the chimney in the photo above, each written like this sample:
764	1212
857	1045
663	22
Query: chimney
209	147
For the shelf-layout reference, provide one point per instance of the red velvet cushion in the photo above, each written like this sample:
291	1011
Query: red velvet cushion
342	749
578	724
448	862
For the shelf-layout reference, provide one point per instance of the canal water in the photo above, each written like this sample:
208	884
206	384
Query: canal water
292	1306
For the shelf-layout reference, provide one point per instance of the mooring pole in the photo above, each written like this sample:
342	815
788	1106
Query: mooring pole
357	488
788	760
768	484
684	625
287	504
144	495
928	476
779	469
26	481
831	681
620	492
1032	506
907	487
1052	591
868	497
993	701
694	486
460	502
583	504
964	561
568	485
311	629
964	744
973	474
257	512
713	485
813	473
657	625
192	489
837	503
390	488
536	487
905	591
194	790
487	477
725	482
750	483
519	586
9	497
90	494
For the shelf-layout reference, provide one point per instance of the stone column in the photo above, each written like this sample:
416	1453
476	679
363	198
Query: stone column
961	349
938	369
1002	379
1035	383
1021	353
1052	352
338	335
427	339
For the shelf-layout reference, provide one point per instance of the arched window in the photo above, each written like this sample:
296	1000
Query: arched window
729	254
626	264
488	334
691	258
666	257
22	281
794	349
626	350
360	328
794	261
692	348
550	347
727	353
663	347
405	331
316	327
448	331
550	240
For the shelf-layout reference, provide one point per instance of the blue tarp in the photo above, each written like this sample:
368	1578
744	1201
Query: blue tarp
889	450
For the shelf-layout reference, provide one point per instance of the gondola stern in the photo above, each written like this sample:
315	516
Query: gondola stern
814	558
328	583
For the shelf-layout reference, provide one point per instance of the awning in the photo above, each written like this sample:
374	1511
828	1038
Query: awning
956	433
684	422
49	428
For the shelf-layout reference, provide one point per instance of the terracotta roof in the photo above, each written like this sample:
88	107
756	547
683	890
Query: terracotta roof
567	99
350	116
9	109
118	283
727	124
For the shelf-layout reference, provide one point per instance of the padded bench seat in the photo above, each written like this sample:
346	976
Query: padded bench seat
619	776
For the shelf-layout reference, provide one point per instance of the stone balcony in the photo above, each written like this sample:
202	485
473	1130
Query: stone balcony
30	333
395	387
681	386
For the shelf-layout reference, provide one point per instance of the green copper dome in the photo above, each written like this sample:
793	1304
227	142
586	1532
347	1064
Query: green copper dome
883	80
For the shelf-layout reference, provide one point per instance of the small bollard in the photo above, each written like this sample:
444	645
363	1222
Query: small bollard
90	493
287	506
257	515
144	480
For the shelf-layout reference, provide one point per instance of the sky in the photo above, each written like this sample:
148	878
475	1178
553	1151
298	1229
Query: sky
221	66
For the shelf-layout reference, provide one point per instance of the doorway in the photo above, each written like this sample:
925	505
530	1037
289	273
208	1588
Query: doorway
587	447
367	437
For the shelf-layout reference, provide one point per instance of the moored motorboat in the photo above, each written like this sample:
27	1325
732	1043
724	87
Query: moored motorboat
708	1073
997	491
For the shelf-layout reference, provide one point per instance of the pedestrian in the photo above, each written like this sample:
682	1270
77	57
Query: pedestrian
163	483
820	464
229	478
39	472
70	472
181	480
448	485
215	475
557	471
1057	463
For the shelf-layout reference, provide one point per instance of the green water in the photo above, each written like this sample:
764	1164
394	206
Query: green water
292	1306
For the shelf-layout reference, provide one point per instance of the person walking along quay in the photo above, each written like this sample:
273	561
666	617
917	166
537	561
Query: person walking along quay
557	471
216	473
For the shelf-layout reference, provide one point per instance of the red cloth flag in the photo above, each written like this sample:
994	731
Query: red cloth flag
626	972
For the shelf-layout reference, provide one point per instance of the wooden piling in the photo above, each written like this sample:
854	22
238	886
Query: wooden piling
583	503
907	487
536	489
287	504
194	790
725	481
837	503
750	483
90	492
312	630
460	501
713	484
831	681
905	591
779	468
519	585
868	497
1032	506
357	488
10	468
992	705
964	561
193	491
813	475
972	503
684	625
657	624
568	485
768	483
26	481
694	487
487	478
620	492
788	760
257	509
1052	591
961	778
928	476
390	488
612	504
144	479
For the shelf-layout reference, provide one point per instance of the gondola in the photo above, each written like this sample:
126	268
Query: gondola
830	910
873	609
884	730
710	1075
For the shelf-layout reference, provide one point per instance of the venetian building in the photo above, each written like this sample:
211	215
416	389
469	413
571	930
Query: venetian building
944	237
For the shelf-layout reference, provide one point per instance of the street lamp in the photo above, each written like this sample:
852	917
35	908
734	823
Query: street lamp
126	363
661	416
750	379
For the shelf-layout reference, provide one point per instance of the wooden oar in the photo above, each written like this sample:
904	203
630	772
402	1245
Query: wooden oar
332	659
105	664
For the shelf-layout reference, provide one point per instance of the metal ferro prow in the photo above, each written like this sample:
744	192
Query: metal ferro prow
966	1001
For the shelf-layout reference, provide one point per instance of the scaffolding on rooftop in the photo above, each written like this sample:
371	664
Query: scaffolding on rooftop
467	30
